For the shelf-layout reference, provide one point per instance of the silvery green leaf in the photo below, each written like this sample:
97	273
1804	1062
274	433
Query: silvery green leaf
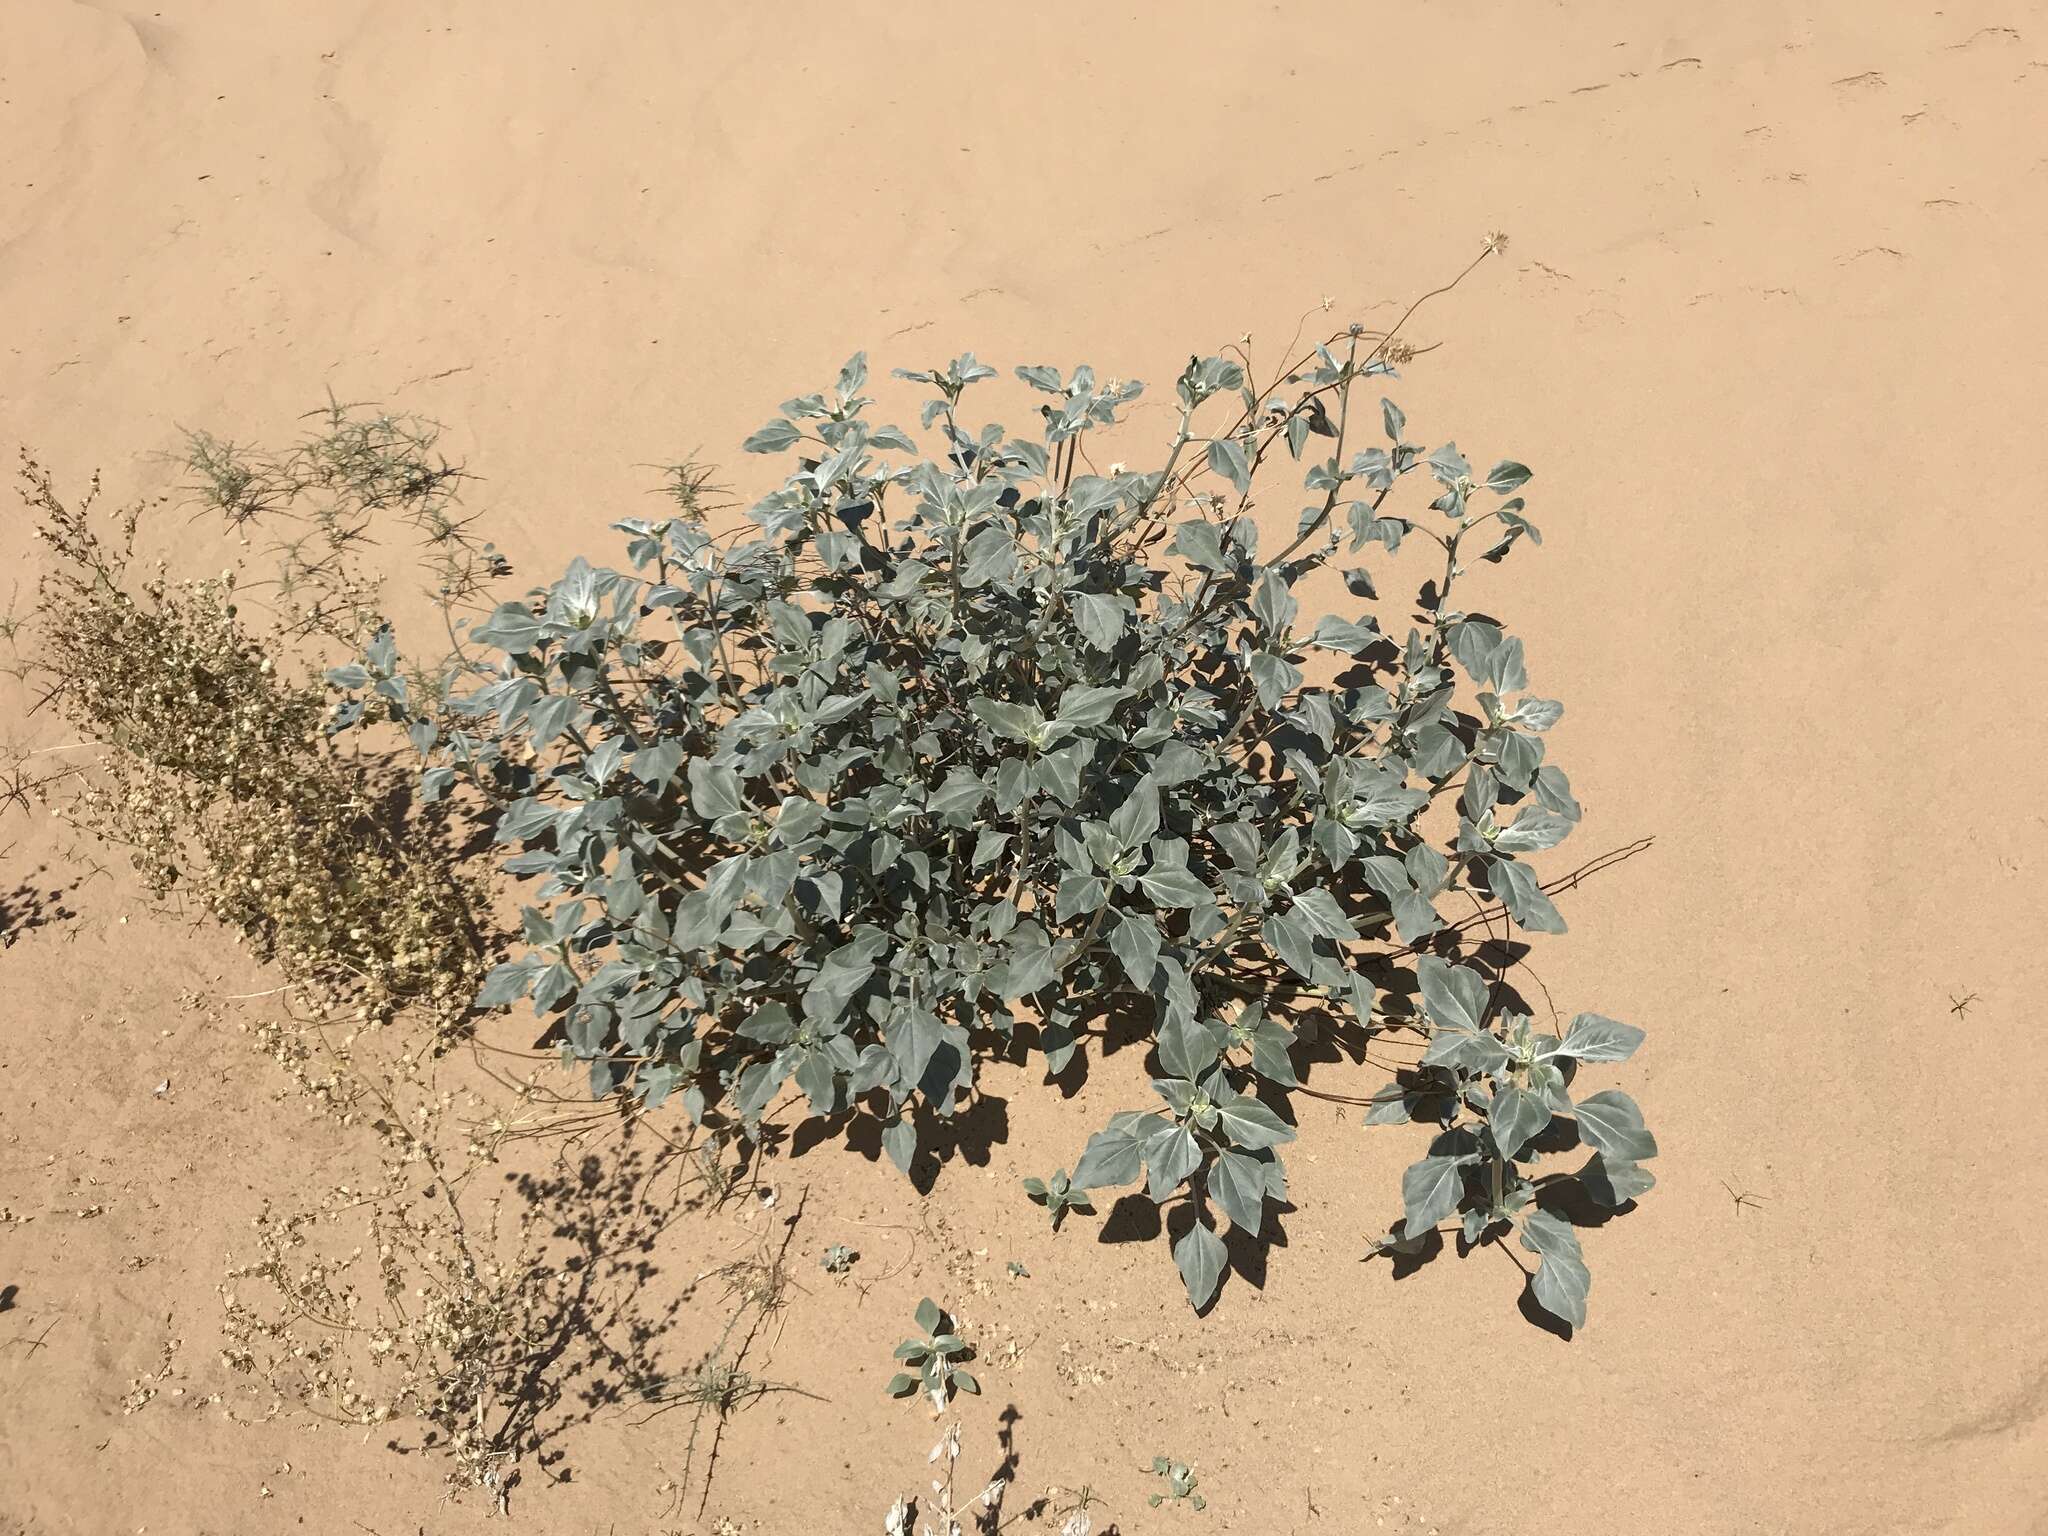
757	1084
1200	543
853	375
1506	667
1031	455
1554	792
1325	914
772	1024
1272	604
1086	706
820	1084
838	981
1385	802
1060	1044
1100	619
1516	1115
1174	887
1438	752
1427	868
1275	677
1135	940
1079	895
656	763
1059	773
1389	1107
1593	1037
1270	1059
1454	996
899	1140
1614	1184
1430	1191
1448	465
1506	476
1537	714
1200	1256
1516	885
508	982
1226	457
511	628
1012	722
1519	755
1612	1125
1345	636
714	790
960	795
1043	378
1548	1234
604	759
1090	494
1548	1081
1297	434
1179	1092
1030	967
1476	1052
1115	1154
1533	831
1336	841
1240	841
773	438
1473	642
1171	1155
1362	996
1239	1184
1292	939
1561	1283
1393	419
1134	822
1188	1047
1251	1123
991	557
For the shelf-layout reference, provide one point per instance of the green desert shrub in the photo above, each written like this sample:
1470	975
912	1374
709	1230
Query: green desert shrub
981	750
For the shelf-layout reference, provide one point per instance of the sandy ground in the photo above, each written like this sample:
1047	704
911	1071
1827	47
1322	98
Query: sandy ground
1771	332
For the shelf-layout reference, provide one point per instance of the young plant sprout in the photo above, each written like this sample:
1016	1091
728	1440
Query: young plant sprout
934	1358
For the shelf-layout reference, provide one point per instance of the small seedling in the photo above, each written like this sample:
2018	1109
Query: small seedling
933	1358
1059	1196
838	1259
1017	1270
1180	1483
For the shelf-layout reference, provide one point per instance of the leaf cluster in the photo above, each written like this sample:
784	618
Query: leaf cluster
985	750
933	1356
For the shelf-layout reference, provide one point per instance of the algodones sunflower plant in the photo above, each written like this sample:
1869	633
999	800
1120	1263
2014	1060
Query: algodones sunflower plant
957	754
